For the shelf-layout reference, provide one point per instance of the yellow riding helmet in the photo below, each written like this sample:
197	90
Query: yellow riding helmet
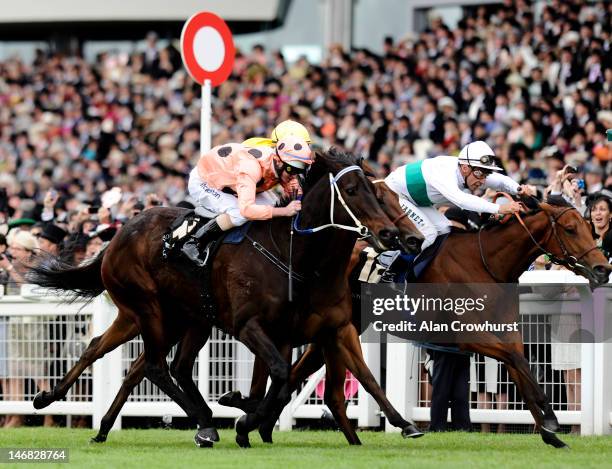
287	128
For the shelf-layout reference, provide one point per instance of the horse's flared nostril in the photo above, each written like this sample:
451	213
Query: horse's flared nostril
387	235
602	273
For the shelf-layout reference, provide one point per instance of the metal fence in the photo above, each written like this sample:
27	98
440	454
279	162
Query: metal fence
41	338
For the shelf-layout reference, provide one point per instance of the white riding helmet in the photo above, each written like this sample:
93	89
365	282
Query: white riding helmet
479	154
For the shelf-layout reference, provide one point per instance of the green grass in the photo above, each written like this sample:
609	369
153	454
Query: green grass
313	450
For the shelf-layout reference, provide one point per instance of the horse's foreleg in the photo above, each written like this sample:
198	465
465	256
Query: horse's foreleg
310	361
350	350
259	381
335	375
512	355
156	346
120	331
182	367
256	339
134	376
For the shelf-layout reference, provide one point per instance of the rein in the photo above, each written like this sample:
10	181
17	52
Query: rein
359	228
275	260
567	260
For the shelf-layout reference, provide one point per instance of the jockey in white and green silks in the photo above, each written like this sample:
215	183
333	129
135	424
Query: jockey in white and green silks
443	179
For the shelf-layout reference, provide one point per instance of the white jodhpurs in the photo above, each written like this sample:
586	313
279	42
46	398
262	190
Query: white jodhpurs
215	202
427	220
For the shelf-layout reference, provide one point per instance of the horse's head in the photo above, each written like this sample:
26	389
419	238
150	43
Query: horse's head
338	194
572	244
410	238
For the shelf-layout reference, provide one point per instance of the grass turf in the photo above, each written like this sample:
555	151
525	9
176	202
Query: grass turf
309	449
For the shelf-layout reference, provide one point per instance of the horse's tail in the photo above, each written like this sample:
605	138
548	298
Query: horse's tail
84	281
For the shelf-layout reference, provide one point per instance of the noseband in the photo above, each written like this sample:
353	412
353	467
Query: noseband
567	260
359	228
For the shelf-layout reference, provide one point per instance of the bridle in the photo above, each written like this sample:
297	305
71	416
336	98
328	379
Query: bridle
567	260
359	227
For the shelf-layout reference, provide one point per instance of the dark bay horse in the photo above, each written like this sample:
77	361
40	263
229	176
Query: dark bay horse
193	340
158	298
487	257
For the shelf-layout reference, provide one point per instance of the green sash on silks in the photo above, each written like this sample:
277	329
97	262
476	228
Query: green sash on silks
415	183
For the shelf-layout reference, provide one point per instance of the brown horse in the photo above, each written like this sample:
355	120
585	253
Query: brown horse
484	257
157	298
193	339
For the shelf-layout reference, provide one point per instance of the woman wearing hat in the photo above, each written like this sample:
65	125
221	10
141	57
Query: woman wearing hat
442	179
231	182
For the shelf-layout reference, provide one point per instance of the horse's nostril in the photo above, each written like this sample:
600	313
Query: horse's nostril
601	271
387	234
414	242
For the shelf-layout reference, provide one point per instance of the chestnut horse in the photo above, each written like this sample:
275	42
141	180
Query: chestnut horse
484	257
157	298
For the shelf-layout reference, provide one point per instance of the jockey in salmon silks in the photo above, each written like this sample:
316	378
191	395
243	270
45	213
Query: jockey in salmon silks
232	183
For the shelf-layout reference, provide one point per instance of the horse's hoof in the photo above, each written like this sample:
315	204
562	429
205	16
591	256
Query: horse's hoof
243	440
202	443
229	399
411	431
42	400
266	434
551	425
99	438
550	438
206	437
241	425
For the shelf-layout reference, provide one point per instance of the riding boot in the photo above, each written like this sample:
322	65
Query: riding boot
206	233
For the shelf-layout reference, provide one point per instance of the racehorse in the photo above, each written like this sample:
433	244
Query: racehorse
487	256
193	339
158	299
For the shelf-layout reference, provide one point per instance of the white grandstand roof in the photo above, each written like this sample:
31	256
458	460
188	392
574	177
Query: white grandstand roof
39	11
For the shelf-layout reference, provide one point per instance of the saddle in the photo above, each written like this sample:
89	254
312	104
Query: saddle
179	232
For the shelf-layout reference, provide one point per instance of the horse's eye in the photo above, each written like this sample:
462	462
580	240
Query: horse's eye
351	190
570	230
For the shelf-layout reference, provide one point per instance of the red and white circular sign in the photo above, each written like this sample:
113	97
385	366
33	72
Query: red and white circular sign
207	48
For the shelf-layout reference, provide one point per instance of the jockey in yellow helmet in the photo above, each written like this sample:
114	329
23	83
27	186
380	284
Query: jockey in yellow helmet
231	184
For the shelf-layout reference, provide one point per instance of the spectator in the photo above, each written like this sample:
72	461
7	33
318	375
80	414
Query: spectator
3	329
600	214
50	240
28	339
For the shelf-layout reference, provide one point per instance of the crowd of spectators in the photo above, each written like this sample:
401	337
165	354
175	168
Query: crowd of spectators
85	146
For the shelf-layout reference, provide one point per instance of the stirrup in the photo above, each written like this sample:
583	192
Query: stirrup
191	251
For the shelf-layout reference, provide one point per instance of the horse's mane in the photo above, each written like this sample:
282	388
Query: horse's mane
332	160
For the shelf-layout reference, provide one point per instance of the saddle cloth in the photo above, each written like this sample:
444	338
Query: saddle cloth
392	266
189	223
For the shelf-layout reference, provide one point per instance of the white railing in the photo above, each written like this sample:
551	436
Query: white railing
30	321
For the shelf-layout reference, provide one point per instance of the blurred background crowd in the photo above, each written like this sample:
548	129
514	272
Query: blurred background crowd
537	89
84	146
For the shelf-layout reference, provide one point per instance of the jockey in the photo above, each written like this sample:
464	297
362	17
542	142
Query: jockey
443	179
232	182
